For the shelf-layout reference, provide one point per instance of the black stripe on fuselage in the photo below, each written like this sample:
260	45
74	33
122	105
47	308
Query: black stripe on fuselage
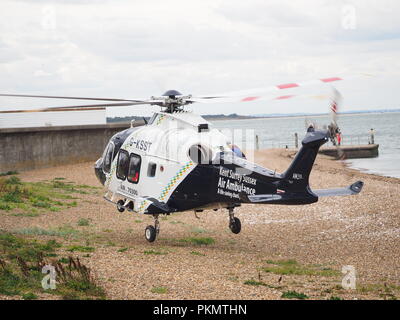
209	183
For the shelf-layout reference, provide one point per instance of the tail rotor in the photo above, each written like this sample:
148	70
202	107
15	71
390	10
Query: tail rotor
334	132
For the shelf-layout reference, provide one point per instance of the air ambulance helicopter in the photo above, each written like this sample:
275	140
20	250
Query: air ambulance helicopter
178	162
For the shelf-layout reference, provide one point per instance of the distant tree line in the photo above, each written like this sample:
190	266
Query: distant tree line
126	119
206	116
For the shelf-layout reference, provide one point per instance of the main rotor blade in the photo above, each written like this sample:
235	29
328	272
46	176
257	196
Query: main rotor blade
52	110
62	97
85	107
265	97
259	93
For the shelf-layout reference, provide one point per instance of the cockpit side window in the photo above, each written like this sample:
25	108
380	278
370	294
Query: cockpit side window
134	168
123	164
108	158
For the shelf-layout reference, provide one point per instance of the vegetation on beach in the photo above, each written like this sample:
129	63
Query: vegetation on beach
149	252
259	283
80	248
21	264
196	253
62	231
292	267
385	290
294	295
8	173
83	222
31	198
198	240
159	290
198	230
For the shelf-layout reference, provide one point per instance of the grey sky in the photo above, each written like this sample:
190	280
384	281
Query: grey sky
142	48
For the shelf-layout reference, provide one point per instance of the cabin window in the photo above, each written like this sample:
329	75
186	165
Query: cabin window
134	168
123	164
151	170
108	158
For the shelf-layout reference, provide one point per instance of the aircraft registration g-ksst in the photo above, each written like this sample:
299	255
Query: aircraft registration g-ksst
177	161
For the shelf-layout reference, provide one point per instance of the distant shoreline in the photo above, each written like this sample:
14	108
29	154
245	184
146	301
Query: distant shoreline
222	117
350	113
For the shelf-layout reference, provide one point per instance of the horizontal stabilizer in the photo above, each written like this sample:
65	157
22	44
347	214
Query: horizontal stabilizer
355	188
302	197
293	198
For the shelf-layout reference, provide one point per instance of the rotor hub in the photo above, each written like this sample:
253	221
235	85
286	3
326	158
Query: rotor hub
172	93
173	100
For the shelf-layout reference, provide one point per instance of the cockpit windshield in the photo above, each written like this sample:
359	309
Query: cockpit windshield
108	157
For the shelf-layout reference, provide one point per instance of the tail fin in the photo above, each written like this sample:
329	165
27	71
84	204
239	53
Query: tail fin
296	177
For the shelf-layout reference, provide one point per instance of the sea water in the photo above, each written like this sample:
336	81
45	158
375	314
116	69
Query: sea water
355	128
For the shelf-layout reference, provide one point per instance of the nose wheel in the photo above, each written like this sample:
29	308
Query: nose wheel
234	223
151	232
120	206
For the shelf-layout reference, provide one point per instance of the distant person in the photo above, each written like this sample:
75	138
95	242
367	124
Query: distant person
372	137
338	136
236	150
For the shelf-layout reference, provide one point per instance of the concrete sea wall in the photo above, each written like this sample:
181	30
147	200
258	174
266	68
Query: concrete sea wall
40	147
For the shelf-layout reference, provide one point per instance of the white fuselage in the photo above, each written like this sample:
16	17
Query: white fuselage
164	143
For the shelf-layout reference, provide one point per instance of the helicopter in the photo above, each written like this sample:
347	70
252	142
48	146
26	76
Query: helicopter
177	162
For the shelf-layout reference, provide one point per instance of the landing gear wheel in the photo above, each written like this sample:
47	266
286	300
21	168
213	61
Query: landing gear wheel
235	225
120	205
150	233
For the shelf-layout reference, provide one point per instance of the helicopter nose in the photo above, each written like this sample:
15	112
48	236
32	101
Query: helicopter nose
98	170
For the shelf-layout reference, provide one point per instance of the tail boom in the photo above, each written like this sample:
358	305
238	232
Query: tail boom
293	187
